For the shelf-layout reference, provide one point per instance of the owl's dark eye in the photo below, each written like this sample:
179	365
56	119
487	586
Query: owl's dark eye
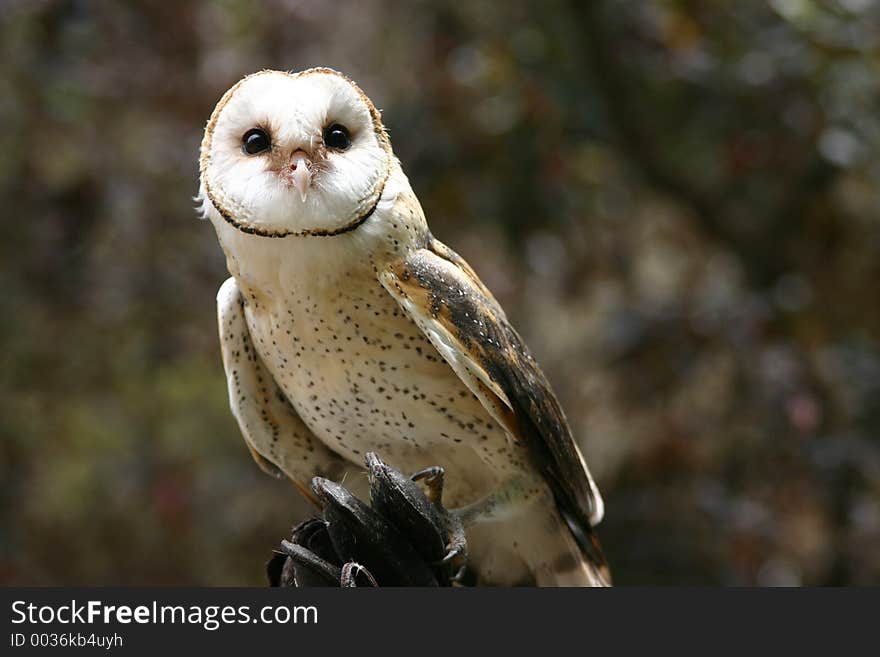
255	141
336	137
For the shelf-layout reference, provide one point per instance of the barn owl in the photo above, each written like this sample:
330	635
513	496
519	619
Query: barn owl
346	327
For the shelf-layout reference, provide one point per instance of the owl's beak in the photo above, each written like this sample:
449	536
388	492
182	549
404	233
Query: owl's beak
299	173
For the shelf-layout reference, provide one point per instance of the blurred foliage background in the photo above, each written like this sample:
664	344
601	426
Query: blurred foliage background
676	201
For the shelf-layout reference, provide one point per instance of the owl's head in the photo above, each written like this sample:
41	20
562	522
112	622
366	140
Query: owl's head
294	154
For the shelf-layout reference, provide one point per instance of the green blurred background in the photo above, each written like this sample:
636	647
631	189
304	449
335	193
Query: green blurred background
676	201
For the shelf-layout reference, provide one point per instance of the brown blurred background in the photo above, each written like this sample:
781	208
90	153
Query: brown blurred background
676	201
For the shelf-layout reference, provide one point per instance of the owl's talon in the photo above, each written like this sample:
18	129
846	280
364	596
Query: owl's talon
452	554
456	549
433	480
351	571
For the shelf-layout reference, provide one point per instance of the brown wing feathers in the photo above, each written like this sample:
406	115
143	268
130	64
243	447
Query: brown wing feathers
464	306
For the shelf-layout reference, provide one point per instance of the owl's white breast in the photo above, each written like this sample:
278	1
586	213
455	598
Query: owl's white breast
357	369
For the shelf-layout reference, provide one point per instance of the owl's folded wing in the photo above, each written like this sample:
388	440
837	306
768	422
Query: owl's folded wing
464	322
279	441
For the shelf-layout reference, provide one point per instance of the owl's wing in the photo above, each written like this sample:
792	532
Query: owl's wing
279	441
465	323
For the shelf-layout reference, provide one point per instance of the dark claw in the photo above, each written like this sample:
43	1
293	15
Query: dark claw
350	574
433	477
357	531
456	555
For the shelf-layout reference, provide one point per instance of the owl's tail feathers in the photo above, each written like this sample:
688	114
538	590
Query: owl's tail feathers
588	566
583	574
